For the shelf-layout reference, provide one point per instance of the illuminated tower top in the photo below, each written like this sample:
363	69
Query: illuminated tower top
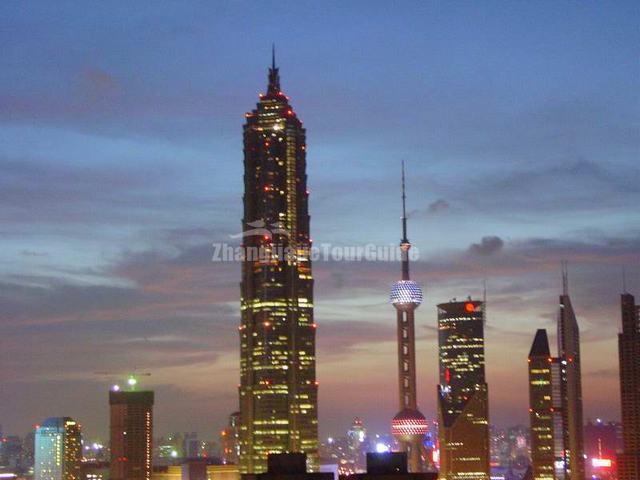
405	293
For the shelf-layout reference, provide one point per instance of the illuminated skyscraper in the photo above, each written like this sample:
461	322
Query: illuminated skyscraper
409	425
463	410
131	434
278	388
629	356
571	384
545	411
58	450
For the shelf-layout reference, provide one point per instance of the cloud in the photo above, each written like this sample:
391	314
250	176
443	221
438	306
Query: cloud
439	206
487	246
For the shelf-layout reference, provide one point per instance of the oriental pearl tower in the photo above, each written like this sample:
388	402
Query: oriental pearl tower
409	426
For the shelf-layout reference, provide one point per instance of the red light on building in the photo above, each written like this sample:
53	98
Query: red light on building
469	307
601	463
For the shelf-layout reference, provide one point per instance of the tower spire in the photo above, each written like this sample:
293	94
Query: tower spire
404	209
274	76
565	278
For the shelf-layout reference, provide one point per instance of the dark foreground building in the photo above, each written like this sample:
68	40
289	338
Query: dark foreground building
629	356
287	466
463	404
131	434
390	466
278	388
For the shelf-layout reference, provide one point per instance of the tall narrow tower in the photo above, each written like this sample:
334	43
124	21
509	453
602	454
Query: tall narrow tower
409	426
571	384
278	388
629	356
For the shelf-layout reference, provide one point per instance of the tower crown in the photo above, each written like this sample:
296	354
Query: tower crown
274	75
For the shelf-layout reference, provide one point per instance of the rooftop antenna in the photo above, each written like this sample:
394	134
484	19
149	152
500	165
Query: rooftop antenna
484	300
273	55
565	278
404	209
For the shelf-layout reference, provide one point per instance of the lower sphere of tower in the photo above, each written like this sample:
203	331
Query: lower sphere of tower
409	425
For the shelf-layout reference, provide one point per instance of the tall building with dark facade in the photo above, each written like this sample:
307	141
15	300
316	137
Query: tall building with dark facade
545	411
409	426
131	432
629	356
571	384
278	389
58	450
463	405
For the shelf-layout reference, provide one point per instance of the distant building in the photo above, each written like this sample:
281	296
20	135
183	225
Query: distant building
358	444
95	470
629	357
463	406
391	466
602	440
131	434
58	450
230	439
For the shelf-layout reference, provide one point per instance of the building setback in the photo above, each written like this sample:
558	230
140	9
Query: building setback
278	388
629	357
131	432
463	405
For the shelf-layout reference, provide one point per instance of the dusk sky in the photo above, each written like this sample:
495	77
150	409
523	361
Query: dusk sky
121	163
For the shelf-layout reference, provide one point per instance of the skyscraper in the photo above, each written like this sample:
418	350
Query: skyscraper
629	356
571	384
131	434
463	410
278	388
545	411
58	450
409	426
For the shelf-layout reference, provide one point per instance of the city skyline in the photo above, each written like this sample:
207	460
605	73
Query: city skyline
115	189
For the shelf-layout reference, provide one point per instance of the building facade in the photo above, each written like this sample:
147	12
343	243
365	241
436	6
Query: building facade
545	411
131	432
278	389
629	357
58	450
463	405
571	386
